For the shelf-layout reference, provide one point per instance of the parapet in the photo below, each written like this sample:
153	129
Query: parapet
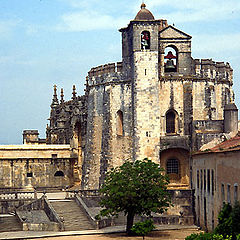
105	73
30	136
104	69
214	70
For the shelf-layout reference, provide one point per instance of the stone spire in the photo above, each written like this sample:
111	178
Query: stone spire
62	96
55	99
74	93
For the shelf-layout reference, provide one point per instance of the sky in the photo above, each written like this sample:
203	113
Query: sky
47	42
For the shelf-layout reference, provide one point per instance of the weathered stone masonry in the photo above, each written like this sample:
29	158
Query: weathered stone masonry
158	103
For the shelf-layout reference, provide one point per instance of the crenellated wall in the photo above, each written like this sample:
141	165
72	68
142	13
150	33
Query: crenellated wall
215	70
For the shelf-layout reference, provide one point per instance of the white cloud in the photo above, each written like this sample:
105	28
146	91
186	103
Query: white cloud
16	60
195	10
6	27
216	43
89	20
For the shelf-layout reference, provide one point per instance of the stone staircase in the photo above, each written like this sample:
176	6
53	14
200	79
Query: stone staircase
74	218
9	223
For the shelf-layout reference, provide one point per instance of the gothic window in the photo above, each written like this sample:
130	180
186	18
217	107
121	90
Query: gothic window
59	174
171	122
145	40
170	59
172	166
119	123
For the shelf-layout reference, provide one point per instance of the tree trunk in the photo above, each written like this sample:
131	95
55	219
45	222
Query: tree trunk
130	218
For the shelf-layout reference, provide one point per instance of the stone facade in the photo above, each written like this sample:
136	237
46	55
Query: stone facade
38	166
216	180
158	103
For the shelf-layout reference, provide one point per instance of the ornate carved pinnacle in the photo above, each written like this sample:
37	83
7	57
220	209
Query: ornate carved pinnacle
74	93
55	99
62	96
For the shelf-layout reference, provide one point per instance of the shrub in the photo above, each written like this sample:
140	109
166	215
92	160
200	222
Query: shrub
224	226
208	236
236	219
142	228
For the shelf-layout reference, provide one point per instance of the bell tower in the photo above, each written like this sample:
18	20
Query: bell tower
141	65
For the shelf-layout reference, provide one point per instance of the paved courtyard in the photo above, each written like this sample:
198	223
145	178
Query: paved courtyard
161	235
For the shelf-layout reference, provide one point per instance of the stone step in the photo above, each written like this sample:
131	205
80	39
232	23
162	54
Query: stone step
9	224
74	218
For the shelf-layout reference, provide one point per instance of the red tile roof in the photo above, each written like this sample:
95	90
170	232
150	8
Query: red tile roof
232	144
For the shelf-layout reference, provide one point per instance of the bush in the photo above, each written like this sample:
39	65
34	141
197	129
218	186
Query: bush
224	226
208	236
236	219
143	228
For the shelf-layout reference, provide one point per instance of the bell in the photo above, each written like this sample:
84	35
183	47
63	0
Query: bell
170	55
170	67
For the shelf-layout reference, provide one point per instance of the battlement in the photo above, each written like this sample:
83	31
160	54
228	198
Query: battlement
110	72
215	70
107	68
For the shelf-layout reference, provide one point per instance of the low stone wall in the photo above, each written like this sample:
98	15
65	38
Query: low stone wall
40	227
53	223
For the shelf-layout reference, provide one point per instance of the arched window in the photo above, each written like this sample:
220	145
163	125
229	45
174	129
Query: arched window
119	123
172	166
145	40
170	59
59	174
171	122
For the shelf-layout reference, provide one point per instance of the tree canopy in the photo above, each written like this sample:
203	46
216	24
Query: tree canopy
135	188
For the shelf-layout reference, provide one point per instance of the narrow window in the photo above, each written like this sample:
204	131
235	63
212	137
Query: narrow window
119	123
197	179
172	166
208	180
204	180
223	192
213	185
170	122
145	40
59	174
235	192
229	193
29	174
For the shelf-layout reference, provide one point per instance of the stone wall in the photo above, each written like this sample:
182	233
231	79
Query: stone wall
107	94
213	186
35	166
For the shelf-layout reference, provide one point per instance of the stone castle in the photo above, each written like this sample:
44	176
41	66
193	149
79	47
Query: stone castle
158	102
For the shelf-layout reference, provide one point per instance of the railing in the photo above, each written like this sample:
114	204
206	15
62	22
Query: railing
18	196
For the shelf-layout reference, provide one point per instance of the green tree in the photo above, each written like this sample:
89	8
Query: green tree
224	220
135	188
236	219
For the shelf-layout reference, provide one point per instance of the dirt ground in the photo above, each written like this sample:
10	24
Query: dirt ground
161	235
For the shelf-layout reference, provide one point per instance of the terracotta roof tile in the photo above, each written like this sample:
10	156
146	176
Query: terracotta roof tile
229	145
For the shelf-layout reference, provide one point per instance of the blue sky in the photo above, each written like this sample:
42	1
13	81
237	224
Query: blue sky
47	42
